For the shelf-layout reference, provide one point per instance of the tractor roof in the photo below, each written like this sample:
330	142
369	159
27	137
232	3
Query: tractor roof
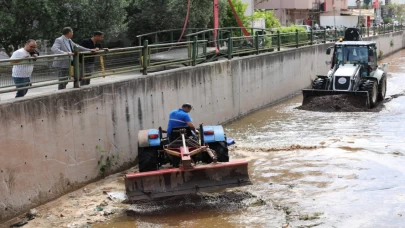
354	43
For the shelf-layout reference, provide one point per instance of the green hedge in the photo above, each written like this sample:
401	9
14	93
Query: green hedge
290	38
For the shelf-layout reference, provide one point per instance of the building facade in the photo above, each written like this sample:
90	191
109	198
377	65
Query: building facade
301	12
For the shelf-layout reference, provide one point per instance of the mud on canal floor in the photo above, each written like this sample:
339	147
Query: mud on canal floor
308	168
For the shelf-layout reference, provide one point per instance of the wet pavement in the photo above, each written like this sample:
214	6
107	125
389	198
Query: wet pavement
310	169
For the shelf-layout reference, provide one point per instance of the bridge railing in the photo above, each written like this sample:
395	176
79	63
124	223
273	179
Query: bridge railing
165	36
44	71
199	47
61	69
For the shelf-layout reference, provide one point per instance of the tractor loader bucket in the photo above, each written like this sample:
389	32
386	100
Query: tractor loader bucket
309	93
180	181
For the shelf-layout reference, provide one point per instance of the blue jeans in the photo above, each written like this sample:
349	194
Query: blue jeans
19	83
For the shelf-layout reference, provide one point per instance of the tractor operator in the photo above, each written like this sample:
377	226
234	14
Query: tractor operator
181	118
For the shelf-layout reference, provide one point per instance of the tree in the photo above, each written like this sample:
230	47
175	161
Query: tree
270	19
229	18
398	10
44	19
87	16
20	21
145	16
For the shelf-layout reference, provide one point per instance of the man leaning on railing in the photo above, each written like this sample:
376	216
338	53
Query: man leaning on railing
22	70
90	43
64	45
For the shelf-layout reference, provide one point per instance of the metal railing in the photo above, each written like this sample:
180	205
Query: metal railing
45	71
62	69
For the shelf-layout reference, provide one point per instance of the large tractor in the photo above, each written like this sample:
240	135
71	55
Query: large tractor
354	71
184	163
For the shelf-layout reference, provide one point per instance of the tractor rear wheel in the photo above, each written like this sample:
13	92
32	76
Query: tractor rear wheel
148	158
221	148
371	87
382	88
319	83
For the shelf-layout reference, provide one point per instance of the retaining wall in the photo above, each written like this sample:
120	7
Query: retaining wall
55	143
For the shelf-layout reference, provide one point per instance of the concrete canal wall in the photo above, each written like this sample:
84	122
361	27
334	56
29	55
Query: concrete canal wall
54	143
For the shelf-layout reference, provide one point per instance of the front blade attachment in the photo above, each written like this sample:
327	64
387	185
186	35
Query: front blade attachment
172	182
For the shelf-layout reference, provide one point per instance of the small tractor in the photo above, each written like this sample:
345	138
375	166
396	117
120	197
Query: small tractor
354	71
184	163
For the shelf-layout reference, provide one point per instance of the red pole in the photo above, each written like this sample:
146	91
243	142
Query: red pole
238	19
216	25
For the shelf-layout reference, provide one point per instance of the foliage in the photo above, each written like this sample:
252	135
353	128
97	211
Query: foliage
87	16
18	23
380	54
398	11
107	159
290	31
145	16
44	19
240	8
387	20
270	19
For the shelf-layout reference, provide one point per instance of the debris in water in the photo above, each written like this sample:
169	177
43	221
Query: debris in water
337	103
224	200
19	224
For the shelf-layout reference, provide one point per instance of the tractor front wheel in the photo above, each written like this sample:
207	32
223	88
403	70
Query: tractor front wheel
319	83
148	159
382	88
221	148
371	87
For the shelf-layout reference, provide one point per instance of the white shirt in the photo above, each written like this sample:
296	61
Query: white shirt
23	69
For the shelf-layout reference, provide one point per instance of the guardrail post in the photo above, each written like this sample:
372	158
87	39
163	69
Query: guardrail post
156	39
336	35
324	35
139	41
230	46
257	44
296	39
312	37
195	49
145	56
76	67
189	49
171	37
278	40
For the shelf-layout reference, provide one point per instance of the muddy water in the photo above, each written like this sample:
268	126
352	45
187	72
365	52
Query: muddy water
310	169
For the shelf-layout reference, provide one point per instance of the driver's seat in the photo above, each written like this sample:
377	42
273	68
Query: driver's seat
175	134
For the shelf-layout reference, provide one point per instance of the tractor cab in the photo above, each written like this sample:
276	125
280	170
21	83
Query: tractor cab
363	53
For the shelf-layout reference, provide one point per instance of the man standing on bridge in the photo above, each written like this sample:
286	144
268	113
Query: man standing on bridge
22	72
64	45
180	118
91	43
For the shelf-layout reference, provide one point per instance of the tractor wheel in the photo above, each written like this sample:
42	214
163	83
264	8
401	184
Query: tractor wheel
371	87
382	88
175	161
148	159
319	83
221	148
